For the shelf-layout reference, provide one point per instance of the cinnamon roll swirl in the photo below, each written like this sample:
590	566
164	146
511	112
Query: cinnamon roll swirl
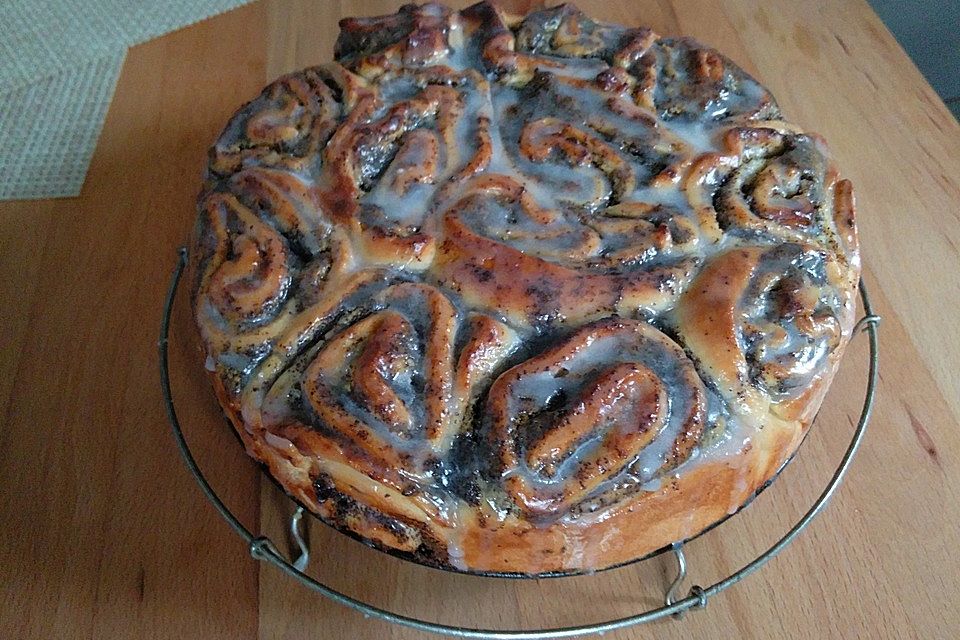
617	401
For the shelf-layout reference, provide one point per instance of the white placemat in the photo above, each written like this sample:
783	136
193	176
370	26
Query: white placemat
59	64
49	129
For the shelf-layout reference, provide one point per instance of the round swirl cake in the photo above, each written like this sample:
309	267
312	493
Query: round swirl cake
521	294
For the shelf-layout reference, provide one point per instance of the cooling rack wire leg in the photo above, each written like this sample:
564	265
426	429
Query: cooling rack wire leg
695	591
297	534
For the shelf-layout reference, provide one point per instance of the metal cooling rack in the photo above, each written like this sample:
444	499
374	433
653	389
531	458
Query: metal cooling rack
263	549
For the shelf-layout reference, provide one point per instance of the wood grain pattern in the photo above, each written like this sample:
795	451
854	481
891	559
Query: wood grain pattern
106	536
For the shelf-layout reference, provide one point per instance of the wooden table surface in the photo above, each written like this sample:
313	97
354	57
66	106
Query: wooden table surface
105	534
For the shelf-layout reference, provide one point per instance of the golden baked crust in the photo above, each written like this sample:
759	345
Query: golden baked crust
521	294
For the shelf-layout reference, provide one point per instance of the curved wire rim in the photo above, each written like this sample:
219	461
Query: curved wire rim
263	549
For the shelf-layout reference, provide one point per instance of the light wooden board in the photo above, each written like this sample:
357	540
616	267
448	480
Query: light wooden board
106	536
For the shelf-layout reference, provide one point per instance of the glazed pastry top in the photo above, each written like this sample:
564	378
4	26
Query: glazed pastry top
516	267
